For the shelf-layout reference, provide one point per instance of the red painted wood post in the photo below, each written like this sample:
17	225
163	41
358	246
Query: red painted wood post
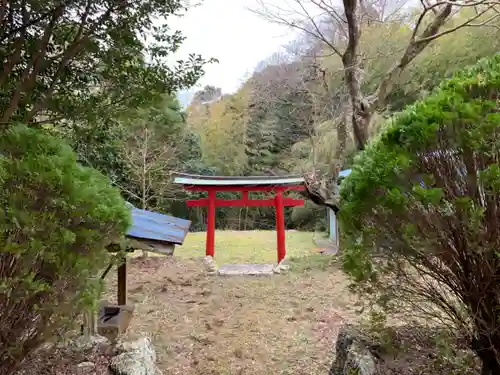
280	225
210	250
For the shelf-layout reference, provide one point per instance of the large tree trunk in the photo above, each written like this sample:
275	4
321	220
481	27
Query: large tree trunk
487	348
361	110
486	344
364	107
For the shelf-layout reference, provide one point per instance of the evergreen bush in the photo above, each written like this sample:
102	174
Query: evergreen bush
421	210
56	219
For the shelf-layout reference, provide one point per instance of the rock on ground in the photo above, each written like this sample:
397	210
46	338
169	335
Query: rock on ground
210	265
136	358
352	354
246	270
86	368
82	343
281	266
75	355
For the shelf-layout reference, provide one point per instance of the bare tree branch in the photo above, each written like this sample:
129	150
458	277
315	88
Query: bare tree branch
149	162
430	25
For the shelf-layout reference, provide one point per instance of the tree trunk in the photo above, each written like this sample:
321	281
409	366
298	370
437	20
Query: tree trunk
487	348
487	342
361	118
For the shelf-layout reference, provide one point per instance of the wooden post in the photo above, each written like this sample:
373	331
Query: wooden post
280	226
210	250
122	283
332	222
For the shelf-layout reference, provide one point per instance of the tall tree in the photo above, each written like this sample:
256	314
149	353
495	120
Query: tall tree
207	94
86	59
221	125
151	150
342	37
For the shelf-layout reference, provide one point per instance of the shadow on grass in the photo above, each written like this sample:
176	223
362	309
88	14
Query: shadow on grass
314	262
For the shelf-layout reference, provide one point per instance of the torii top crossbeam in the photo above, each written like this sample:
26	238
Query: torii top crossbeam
212	184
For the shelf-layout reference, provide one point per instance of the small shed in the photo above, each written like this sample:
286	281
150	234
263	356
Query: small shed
156	232
150	231
153	232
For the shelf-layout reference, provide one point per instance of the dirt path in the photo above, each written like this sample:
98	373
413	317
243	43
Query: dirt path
205	325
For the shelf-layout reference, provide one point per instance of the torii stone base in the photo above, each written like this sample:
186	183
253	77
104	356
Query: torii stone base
244	269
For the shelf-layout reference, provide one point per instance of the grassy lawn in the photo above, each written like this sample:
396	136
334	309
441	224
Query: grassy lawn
246	246
210	325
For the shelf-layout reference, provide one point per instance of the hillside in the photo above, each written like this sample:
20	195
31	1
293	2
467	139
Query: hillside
292	112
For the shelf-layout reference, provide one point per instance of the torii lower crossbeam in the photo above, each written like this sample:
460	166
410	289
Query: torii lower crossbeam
275	185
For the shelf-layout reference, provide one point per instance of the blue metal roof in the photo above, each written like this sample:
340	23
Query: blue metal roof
158	227
199	180
345	173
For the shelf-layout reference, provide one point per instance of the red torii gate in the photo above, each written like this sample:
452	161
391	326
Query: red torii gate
213	184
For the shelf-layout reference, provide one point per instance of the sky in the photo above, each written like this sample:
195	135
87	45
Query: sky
228	31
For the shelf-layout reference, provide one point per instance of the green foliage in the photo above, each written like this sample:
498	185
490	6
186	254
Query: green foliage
308	217
291	108
58	217
153	146
312	263
88	60
458	117
100	145
420	209
260	147
138	150
99	74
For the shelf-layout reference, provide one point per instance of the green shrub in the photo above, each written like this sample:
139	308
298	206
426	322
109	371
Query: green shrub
421	210
313	263
56	219
308	217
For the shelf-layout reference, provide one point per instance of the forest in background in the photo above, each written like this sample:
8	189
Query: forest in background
285	119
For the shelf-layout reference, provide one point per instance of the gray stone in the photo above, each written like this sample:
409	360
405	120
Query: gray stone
353	355
246	269
281	267
85	368
85	365
136	358
82	343
210	265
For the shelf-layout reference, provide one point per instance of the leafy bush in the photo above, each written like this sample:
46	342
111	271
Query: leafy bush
309	217
56	219
421	210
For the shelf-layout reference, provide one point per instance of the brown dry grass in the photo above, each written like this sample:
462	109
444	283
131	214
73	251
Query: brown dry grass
64	361
206	325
